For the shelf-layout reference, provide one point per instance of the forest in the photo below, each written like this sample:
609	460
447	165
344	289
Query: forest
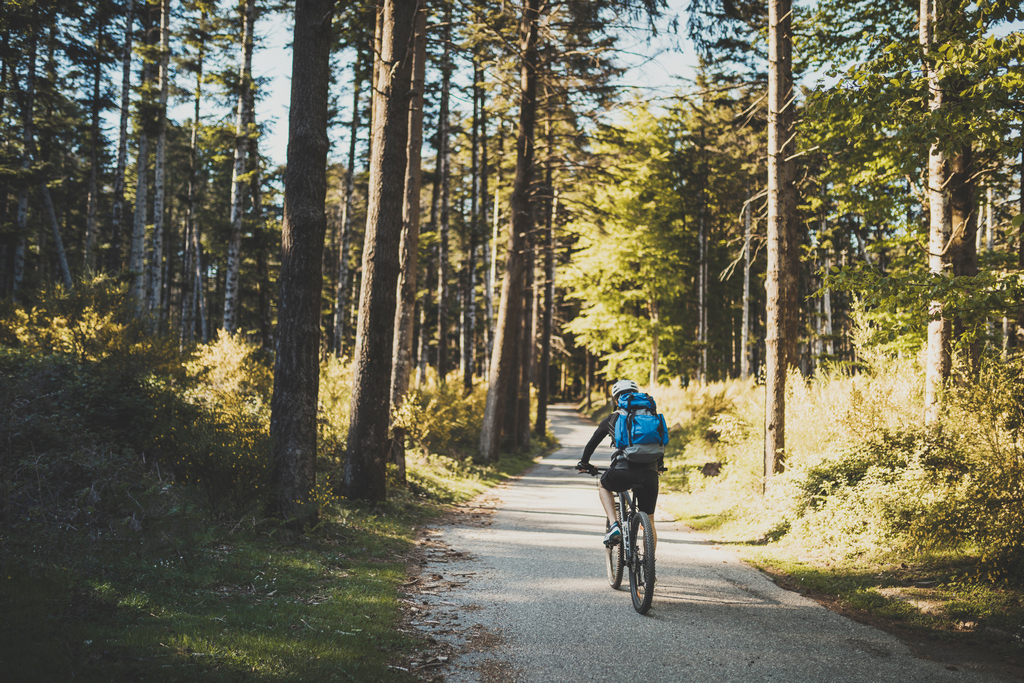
810	252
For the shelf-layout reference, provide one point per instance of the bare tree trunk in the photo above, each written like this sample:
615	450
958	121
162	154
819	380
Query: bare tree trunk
261	245
469	315
114	260
940	227
551	206
444	174
781	205
425	305
367	448
190	277
55	229
156	256
655	339
296	365
702	291
409	256
507	330
522	429
94	161
32	154
469	292
963	253
136	261
486	250
1013	328
745	331
243	123
341	294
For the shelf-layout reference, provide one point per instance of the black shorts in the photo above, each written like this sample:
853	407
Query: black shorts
641	477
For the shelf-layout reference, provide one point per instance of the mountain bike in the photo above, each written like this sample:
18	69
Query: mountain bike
635	551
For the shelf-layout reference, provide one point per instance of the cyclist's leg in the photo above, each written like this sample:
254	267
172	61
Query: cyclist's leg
647	499
607	501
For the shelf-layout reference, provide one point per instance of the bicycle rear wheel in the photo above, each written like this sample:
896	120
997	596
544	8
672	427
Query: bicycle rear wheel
614	553
641	565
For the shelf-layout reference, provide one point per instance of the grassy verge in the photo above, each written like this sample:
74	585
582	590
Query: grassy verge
932	598
180	597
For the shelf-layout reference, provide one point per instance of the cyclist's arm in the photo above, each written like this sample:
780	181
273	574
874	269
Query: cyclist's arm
604	429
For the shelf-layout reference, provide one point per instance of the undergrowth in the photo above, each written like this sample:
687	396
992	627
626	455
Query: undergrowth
133	544
867	487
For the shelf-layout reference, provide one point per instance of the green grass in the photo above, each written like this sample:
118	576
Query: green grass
186	602
936	593
188	599
933	593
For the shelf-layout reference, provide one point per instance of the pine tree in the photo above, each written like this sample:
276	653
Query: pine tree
367	446
296	364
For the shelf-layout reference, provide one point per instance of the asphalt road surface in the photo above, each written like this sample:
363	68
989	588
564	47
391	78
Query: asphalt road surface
519	594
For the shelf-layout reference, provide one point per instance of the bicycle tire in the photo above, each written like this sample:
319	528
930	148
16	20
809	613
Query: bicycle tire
641	565
613	560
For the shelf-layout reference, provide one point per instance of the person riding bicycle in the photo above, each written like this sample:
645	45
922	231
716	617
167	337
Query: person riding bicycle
622	474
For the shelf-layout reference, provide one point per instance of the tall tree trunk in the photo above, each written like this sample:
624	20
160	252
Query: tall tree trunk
341	294
296	364
190	278
156	256
551	206
940	225
22	212
655	340
367	447
485	255
527	369
408	270
507	334
94	147
444	176
781	206
469	293
32	154
243	123
261	247
963	252
117	208
702	291
469	314
745	325
1015	338
136	261
424	332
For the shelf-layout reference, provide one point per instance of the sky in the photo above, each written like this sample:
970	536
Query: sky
655	69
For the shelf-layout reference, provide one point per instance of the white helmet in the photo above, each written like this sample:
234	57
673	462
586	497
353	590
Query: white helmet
623	385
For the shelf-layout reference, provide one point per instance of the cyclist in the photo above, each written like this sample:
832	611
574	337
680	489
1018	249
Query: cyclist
622	474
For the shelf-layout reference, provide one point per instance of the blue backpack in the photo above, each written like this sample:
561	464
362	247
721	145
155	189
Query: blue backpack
640	432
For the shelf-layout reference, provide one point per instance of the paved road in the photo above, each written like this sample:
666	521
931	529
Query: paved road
534	604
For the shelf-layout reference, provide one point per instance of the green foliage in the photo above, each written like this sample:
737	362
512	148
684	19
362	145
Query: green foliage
216	432
93	322
864	477
986	412
439	419
899	300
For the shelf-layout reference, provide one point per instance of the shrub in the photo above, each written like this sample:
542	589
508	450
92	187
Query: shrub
217	430
439	419
93	322
985	412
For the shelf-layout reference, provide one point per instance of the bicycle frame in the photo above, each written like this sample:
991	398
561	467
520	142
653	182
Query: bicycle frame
628	507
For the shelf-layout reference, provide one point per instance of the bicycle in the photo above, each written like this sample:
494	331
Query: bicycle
635	550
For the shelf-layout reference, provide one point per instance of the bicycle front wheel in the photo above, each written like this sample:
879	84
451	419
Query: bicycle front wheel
641	565
614	553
